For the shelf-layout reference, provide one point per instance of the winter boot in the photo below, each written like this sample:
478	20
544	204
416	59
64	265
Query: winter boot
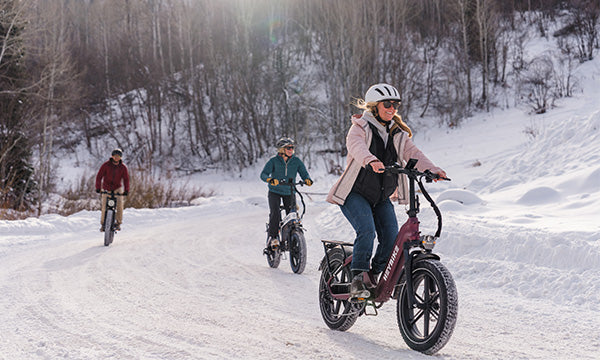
358	291
372	279
273	243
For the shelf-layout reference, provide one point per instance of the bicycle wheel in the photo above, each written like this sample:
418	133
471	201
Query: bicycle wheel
273	256
337	314
109	232
429	323
297	251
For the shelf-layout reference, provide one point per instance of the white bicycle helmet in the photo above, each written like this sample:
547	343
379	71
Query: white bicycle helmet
382	92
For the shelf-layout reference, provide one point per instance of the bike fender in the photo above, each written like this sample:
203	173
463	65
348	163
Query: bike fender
323	263
418	257
425	256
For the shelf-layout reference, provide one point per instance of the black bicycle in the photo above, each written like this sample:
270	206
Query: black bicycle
109	216
290	235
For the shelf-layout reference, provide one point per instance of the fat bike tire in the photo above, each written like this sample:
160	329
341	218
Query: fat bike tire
273	256
428	325
337	314
297	251
109	232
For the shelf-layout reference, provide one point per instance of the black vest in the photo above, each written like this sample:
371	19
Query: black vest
372	186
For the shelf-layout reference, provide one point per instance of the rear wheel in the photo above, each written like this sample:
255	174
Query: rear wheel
109	233
337	314
427	325
297	251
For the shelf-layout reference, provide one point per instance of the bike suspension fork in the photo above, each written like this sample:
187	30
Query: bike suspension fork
408	264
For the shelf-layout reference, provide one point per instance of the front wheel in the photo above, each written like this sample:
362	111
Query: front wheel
297	251
109	232
427	325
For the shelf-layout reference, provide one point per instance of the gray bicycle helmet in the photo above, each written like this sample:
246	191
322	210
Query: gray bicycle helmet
284	141
382	92
117	152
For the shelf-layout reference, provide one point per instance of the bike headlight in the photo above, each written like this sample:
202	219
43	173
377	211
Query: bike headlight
428	241
111	203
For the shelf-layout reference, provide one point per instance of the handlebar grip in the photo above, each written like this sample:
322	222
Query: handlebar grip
432	176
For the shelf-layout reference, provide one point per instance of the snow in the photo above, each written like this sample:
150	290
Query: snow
521	237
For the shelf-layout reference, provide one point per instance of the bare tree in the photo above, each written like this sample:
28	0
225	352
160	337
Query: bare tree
485	20
17	185
460	11
584	17
538	82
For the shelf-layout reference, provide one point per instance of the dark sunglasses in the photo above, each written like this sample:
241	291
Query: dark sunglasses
290	147
387	104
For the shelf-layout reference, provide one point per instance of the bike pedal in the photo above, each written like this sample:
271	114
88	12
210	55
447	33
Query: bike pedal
363	297
358	300
370	304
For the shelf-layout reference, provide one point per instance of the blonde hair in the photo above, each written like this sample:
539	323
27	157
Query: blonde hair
372	107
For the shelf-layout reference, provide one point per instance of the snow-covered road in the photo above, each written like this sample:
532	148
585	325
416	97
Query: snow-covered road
191	283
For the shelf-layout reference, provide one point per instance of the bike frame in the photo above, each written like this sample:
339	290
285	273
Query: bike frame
292	218
401	257
112	196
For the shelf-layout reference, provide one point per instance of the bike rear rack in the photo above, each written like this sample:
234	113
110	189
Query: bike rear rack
330	244
333	243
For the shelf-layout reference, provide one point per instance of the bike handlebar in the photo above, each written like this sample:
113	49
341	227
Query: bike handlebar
414	173
292	182
416	176
111	192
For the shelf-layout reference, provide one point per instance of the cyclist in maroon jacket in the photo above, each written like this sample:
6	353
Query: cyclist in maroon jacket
113	176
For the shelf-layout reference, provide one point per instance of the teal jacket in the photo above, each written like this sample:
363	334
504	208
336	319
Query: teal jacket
277	168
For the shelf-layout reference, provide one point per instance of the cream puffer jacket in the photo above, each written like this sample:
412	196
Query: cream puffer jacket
358	142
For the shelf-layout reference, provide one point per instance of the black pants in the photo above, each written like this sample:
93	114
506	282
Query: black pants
275	213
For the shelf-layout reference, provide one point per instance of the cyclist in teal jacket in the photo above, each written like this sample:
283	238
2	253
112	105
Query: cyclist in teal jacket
283	166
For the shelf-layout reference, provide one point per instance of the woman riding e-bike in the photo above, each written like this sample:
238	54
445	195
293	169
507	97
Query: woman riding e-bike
283	166
377	138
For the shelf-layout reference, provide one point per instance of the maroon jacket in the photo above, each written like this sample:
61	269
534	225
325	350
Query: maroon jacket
112	175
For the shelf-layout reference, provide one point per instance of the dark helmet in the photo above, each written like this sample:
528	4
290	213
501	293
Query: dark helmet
284	141
117	152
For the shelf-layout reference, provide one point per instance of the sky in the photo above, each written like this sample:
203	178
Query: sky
521	238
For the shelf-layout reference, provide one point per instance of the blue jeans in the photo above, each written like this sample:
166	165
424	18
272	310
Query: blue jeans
369	221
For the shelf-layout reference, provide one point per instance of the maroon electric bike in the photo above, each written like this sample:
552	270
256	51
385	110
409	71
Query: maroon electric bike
427	300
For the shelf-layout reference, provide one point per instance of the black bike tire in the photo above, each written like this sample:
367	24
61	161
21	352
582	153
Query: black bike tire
108	227
445	298
297	251
338	314
273	257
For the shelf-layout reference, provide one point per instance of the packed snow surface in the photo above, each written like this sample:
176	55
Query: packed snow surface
521	237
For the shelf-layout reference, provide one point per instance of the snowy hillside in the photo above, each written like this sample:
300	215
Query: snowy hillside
521	238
